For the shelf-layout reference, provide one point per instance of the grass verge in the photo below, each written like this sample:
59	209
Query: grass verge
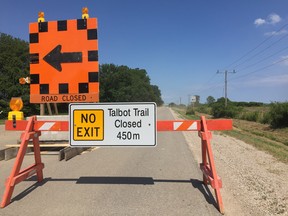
274	142
276	149
182	113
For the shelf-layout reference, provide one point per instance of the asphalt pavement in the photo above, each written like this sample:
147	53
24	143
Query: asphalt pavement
161	180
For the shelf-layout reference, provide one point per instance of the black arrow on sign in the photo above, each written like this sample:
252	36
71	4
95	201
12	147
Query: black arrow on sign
55	58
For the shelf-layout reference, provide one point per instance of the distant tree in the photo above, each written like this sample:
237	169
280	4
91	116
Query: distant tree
222	100
14	63
210	100
248	104
157	94
121	83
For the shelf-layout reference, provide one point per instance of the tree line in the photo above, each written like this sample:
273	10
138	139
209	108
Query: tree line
117	83
275	113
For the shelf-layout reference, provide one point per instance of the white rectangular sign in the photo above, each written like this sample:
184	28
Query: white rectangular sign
112	124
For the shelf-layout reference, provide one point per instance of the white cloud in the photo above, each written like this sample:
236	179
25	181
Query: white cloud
271	19
274	18
259	22
275	33
274	80
284	60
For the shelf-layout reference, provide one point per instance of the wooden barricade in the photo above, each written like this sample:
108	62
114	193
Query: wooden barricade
208	165
18	176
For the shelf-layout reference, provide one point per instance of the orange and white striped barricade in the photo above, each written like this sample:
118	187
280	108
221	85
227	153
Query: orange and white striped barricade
32	130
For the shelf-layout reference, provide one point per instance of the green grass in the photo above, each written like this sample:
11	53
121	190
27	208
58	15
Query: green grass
2	121
278	150
262	130
274	142
183	115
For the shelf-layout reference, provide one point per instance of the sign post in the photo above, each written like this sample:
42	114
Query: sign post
112	124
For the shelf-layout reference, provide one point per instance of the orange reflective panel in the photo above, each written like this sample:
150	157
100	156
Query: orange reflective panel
64	61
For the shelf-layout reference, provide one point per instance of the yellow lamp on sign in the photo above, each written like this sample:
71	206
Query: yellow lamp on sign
16	104
41	16
85	14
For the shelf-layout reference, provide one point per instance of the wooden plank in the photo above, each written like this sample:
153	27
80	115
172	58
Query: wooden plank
10	153
42	109
72	152
62	154
56	145
55	108
45	153
2	154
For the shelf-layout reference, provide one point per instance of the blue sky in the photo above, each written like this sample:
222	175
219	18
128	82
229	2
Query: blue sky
182	43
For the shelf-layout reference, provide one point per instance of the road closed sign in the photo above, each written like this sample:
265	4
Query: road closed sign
112	124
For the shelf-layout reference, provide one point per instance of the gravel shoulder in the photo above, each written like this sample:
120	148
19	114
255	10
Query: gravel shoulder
254	182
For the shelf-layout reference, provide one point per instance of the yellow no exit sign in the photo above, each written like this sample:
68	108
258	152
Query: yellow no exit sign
112	124
88	124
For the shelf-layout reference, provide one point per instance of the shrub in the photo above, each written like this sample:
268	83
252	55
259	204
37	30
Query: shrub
266	119
172	104
190	111
251	116
204	109
219	110
279	115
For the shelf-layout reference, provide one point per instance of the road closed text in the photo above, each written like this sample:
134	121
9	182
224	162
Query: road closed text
64	98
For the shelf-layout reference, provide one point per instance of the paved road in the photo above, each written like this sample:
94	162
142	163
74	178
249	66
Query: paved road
162	180
8	137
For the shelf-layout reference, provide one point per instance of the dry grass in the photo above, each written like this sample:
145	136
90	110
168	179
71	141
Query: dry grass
278	135
272	141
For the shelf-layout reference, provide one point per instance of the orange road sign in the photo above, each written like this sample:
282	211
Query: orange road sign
64	64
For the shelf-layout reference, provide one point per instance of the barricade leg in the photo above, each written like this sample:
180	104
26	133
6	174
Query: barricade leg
16	175
37	156
208	166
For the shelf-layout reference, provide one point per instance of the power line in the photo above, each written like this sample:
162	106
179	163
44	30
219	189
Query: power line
216	86
261	51
202	89
267	57
260	69
264	41
205	84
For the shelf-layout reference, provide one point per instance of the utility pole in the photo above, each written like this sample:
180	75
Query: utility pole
226	82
